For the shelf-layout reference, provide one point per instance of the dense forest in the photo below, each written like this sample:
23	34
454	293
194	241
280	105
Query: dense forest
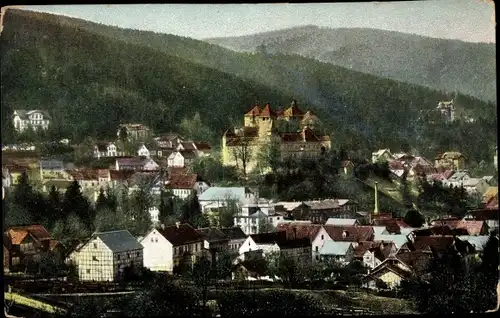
92	77
448	65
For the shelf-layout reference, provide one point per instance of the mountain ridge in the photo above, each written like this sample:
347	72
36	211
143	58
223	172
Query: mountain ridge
446	64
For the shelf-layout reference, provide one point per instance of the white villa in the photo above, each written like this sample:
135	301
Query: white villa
23	119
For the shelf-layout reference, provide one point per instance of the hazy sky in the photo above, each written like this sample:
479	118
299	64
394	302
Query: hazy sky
467	20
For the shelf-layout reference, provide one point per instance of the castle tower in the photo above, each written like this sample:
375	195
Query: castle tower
251	117
266	119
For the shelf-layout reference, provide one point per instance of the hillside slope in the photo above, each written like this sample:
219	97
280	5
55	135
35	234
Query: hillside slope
448	65
92	76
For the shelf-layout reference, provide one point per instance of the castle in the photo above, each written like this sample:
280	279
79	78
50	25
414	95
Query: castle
241	146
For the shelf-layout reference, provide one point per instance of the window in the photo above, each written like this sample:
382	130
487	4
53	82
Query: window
317	248
95	245
156	240
128	255
322	237
118	257
138	254
152	240
88	271
94	258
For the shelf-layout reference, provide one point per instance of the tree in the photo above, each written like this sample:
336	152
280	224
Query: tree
166	208
139	214
242	153
196	129
414	218
112	200
75	202
191	209
23	191
55	204
265	225
102	201
269	156
109	220
227	212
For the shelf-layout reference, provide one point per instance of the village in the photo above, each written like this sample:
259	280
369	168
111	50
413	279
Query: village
146	205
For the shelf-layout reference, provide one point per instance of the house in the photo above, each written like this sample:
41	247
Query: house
214	198
392	271
236	238
105	149
183	185
347	167
342	252
214	241
478	242
397	239
37	119
451	159
490	216
372	253
382	155
492	181
52	169
105	256
23	245
257	222
336	221
292	209
337	233
133	132
251	270
181	158
143	151
321	210
137	164
277	242
166	248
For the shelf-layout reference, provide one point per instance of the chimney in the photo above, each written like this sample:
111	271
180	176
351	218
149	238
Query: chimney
177	224
162	226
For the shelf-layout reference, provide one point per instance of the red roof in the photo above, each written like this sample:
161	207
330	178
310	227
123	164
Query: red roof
485	214
293	111
473	227
267	111
182	181
18	233
435	243
84	174
305	134
120	175
255	111
352	233
299	230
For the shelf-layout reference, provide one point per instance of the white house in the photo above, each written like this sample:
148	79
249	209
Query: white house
105	256
181	158
154	213
182	185
105	150
164	247
253	223
138	164
38	119
143	151
216	197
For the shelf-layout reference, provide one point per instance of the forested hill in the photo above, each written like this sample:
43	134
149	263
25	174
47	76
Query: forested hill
449	65
92	77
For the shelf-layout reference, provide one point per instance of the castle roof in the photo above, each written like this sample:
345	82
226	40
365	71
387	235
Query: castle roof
293	111
255	111
267	111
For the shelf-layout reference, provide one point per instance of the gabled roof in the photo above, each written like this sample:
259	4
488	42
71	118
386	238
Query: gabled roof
390	224
182	181
180	235
296	230
212	234
202	146
293	110
335	248
234	233
23	113
267	111
18	233
450	155
353	233
390	265
255	111
398	239
119	241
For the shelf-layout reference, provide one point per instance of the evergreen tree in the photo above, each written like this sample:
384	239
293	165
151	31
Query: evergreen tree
55	203
112	200
414	218
166	208
142	200
23	191
102	201
75	202
191	209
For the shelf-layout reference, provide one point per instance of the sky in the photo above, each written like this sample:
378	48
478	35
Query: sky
466	20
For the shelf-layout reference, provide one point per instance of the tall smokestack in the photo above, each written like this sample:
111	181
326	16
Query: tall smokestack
375	210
